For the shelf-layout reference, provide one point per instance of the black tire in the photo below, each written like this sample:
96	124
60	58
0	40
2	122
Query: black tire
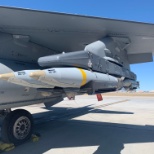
17	120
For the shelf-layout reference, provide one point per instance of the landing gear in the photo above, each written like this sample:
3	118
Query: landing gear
17	127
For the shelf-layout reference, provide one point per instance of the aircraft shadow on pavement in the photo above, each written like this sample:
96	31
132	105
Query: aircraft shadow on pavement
56	113
64	132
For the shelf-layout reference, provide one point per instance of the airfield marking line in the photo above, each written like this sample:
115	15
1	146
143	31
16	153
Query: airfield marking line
105	105
108	104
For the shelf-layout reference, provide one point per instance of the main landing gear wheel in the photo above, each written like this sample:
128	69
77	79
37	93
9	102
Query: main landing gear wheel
17	127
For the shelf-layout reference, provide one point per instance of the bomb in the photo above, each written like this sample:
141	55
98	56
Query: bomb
73	77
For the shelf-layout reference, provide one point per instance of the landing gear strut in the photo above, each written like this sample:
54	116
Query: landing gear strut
17	127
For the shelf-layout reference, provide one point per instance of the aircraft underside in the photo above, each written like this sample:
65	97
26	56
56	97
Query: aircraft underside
93	70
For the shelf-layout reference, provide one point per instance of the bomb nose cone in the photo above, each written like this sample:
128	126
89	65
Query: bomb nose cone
6	76
37	74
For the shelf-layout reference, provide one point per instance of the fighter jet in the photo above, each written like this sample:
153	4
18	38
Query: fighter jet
47	56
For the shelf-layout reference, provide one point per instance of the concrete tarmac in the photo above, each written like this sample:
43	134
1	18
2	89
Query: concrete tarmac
116	125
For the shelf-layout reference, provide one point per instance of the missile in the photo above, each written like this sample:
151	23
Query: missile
22	78
73	77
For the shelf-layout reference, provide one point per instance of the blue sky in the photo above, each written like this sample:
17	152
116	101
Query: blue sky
137	10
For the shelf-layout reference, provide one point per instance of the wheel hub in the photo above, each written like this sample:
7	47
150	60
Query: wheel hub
21	127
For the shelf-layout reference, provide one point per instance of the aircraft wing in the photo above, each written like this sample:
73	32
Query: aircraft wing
58	32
